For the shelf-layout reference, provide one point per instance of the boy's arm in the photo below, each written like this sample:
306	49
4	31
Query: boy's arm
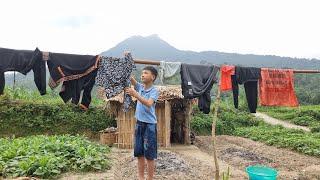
144	101
133	81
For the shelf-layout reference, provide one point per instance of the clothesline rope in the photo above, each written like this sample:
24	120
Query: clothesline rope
157	63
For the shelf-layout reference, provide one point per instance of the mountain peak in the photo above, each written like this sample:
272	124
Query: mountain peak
154	48
151	46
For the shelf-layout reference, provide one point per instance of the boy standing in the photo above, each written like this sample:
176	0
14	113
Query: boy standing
145	146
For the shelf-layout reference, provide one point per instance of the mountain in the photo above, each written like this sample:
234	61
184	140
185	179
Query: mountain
154	48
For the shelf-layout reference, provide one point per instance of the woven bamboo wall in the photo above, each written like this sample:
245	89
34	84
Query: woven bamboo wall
126	125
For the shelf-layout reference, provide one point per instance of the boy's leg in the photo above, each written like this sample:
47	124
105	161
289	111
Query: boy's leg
151	166
141	161
138	148
150	148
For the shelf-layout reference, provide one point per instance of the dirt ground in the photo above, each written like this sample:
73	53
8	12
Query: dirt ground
196	162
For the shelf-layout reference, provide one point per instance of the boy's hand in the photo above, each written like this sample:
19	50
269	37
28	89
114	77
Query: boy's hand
131	92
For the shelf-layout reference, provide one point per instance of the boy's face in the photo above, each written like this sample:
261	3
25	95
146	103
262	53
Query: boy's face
147	76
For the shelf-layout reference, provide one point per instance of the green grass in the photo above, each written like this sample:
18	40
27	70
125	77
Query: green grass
48	156
308	115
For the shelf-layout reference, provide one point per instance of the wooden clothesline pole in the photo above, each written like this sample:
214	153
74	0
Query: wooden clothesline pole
149	62
215	110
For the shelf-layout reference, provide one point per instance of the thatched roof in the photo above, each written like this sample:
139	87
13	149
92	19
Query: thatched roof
166	93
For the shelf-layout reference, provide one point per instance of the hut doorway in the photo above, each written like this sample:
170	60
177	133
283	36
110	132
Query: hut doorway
179	127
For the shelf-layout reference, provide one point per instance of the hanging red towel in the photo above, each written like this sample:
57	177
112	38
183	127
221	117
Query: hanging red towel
277	88
225	79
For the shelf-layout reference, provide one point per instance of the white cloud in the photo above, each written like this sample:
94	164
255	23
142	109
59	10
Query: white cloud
286	27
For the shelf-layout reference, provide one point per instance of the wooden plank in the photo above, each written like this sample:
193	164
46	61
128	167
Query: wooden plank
188	112
167	121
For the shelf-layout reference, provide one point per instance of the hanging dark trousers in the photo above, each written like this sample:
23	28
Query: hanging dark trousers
251	89
248	76
235	90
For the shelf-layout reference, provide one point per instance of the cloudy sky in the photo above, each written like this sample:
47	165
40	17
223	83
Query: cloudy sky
276	27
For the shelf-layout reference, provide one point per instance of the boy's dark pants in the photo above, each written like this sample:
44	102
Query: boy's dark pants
145	142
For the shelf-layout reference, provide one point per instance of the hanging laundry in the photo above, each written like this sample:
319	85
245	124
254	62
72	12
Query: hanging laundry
66	67
168	69
114	75
225	80
197	82
277	88
71	90
248	76
76	73
23	61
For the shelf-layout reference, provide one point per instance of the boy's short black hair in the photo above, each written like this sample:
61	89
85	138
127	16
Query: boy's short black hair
152	69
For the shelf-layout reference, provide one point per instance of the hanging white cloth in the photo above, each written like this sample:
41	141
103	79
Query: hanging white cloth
168	69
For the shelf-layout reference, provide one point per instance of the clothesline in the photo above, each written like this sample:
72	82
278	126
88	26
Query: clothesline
157	63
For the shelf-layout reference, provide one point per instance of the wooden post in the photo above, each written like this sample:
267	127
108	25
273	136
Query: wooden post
14	80
214	120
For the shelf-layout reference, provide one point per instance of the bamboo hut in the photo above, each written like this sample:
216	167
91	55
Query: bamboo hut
173	118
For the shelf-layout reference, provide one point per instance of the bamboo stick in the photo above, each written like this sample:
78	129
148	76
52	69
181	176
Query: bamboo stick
214	121
149	62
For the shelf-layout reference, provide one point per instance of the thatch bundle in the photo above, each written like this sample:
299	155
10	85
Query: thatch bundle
165	93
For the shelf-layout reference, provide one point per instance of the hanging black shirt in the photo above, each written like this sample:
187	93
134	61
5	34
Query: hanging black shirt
77	72
66	67
197	82
23	61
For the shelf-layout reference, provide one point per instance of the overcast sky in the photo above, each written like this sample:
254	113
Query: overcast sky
274	27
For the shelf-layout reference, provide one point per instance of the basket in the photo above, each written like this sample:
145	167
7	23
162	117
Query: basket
108	138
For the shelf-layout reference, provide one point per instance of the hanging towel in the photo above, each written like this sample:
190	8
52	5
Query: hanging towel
277	88
225	80
168	69
24	61
114	75
248	76
197	82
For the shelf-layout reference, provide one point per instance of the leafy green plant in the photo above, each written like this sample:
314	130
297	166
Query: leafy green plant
48	156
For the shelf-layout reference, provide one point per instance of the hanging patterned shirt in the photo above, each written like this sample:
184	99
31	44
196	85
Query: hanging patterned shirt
114	75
